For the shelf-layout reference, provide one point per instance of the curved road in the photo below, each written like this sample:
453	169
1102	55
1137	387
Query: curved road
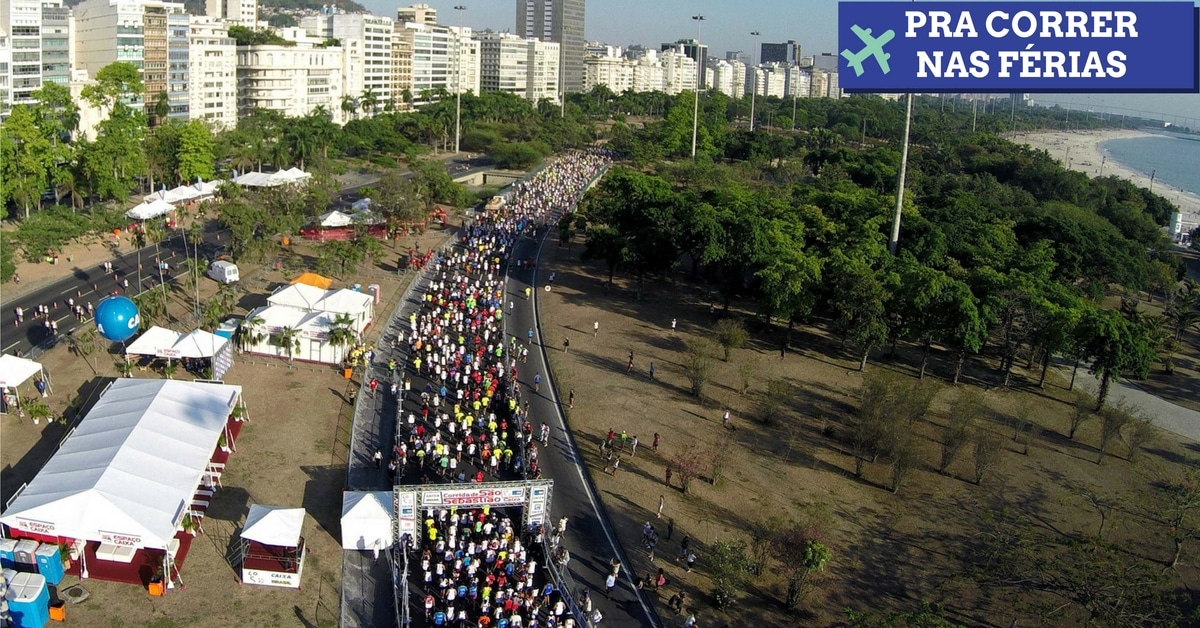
590	538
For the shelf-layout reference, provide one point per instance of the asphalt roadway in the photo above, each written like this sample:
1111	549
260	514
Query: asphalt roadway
590	538
92	284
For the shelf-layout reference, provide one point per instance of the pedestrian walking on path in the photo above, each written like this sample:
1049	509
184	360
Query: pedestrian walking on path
725	419
654	443
566	344
651	370
662	501
610	583
374	385
571	399
595	329
668	476
378	458
528	292
537	382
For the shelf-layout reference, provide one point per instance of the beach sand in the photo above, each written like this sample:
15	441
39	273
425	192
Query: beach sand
1081	151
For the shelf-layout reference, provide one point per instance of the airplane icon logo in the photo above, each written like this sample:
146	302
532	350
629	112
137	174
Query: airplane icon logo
872	47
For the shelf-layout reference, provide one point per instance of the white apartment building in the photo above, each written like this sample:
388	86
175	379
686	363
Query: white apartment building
234	12
21	20
444	57
679	71
295	80
772	80
525	67
5	75
728	77
417	14
611	71
134	31
212	70
799	82
601	49
648	73
374	35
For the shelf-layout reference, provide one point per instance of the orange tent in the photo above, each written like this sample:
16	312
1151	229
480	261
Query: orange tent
315	280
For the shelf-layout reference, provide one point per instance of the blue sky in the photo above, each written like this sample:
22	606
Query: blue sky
727	26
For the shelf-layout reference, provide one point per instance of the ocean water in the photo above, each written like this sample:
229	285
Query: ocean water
1175	161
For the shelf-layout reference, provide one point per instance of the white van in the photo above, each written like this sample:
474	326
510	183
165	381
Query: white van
224	272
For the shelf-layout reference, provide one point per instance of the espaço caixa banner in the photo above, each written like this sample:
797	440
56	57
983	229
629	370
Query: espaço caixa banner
1087	47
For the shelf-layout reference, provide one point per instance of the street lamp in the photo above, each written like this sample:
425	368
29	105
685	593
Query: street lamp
754	81
458	78
696	105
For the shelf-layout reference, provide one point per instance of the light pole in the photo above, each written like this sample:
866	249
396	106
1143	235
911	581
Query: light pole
894	241
696	106
458	78
754	81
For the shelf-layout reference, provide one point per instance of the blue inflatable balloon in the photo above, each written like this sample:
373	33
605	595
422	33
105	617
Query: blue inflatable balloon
117	318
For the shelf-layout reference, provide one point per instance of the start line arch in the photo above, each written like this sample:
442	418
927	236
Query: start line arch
409	502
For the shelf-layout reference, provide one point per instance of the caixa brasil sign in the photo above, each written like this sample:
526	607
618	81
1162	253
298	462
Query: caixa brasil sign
1086	47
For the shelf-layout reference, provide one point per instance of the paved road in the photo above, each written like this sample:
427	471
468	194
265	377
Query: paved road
590	538
92	284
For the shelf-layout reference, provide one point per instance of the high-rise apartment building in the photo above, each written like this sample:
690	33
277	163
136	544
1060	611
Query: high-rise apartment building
443	58
517	65
787	52
234	12
609	69
56	42
375	34
22	21
559	21
212	72
297	79
134	31
695	50
5	75
417	14
402	62
178	96
729	77
679	71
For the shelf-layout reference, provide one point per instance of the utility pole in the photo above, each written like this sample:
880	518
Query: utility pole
458	78
974	112
754	81
894	241
696	106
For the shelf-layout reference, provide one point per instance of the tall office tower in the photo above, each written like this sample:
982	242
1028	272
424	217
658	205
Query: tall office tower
787	52
417	14
22	21
695	51
178	48
559	21
235	12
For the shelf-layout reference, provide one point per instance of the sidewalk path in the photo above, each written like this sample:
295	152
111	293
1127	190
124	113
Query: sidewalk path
1164	414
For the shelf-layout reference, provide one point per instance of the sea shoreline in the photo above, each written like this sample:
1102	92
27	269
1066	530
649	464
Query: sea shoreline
1077	148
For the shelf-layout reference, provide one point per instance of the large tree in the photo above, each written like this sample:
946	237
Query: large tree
1116	346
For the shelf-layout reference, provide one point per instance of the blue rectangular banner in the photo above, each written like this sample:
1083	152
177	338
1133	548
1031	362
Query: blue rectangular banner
1062	47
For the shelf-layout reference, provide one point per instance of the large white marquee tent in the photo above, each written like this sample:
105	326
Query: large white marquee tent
150	209
367	520
262	179
131	467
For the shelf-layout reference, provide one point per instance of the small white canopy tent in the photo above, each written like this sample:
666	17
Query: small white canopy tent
298	295
156	341
278	560
200	344
131	467
274	525
293	174
361	205
335	218
367	520
149	210
15	371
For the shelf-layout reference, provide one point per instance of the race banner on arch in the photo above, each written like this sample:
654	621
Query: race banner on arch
1011	47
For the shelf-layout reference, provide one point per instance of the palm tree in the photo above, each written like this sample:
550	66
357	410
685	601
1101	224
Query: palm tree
161	108
152	307
65	185
341	331
349	106
288	339
247	333
369	101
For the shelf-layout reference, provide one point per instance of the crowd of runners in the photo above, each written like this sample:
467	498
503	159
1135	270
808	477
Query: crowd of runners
461	418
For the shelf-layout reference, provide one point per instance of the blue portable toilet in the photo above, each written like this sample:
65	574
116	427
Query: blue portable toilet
50	563
28	600
8	553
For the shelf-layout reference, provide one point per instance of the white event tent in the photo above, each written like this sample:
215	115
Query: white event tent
156	341
184	193
150	209
272	546
15	371
367	520
335	218
360	306
128	472
200	344
262	179
165	343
